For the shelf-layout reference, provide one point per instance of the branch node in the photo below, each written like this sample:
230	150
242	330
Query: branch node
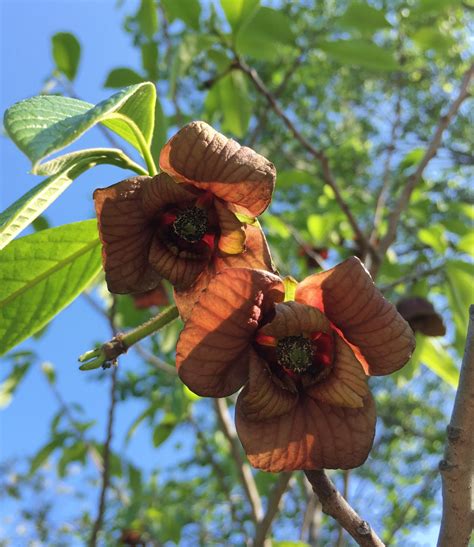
364	528
454	433
445	465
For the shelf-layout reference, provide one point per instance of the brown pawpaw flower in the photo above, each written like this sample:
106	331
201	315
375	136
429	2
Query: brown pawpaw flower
184	223
303	363
421	316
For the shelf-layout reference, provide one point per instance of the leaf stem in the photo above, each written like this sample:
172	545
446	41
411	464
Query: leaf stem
145	149
106	354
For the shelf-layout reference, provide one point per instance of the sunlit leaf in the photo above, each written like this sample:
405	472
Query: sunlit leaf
122	77
360	53
188	11
41	274
147	17
435	357
238	12
363	17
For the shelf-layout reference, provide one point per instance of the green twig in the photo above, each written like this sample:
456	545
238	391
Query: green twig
106	355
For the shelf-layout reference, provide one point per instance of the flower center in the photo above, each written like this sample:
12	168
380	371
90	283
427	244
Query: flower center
191	224
294	353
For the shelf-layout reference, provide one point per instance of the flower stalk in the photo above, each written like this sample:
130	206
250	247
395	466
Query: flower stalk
106	355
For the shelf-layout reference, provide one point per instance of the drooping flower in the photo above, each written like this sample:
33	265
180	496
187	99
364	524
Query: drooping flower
421	316
186	223
303	363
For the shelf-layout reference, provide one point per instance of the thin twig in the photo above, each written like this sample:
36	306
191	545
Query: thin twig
457	467
414	276
319	155
306	247
336	506
155	361
274	502
404	198
243	468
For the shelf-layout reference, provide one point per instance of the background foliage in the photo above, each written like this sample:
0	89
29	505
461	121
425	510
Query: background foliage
367	82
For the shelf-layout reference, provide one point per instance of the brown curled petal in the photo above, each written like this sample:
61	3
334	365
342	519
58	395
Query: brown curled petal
346	384
265	396
213	348
313	435
421	316
256	256
201	156
162	190
181	269
232	236
382	339
294	319
126	235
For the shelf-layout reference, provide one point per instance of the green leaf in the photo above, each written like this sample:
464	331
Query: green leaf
229	97
431	38
435	237
364	18
160	131
43	454
121	77
11	383
66	53
238	12
63	171
361	53
460	293
45	124
150	60
276	226
164	429
430	6
466	244
188	11
41	274
435	357
262	36
147	18
318	228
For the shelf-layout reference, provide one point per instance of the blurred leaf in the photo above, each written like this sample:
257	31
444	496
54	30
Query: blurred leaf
229	97
318	228
292	177
49	372
435	237
160	131
39	223
147	17
66	168
188	11
164	429
363	17
435	357
47	123
431	38
74	453
121	77
150	60
9	385
361	53
466	244
412	158
238	12
43	454
264	34
147	413
289	543
128	316
66	53
276	226
41	274
460	293
430	6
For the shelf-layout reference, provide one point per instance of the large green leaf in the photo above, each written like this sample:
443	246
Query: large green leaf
435	357
62	171
460	293
360	53
238	12
147	18
66	53
42	125
264	34
121	77
41	274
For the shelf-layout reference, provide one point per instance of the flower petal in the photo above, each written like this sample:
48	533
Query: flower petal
232	236
346	385
162	190
126	235
213	348
381	338
294	319
181	270
256	256
313	435
265	396
201	156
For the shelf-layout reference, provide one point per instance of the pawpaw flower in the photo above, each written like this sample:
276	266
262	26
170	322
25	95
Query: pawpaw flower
192	220
421	316
303	363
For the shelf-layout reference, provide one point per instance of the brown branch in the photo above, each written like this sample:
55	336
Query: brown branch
336	506
274	503
243	468
457	467
319	155
412	181
346	474
414	276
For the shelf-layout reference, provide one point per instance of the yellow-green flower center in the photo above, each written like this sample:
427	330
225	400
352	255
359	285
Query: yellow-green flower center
294	353
191	224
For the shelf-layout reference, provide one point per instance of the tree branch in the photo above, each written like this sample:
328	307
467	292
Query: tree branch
319	155
413	179
243	468
457	467
274	502
336	506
